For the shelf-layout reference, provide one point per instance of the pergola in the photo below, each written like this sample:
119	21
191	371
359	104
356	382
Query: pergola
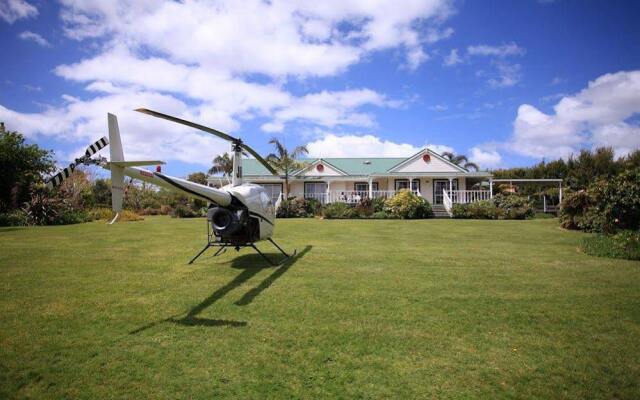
531	181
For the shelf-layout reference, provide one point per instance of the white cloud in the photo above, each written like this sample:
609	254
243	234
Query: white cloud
507	75
415	58
485	157
440	148
453	58
34	37
330	109
13	10
510	49
599	115
332	145
78	123
305	38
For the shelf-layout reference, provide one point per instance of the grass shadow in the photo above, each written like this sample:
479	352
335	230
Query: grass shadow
250	264
268	281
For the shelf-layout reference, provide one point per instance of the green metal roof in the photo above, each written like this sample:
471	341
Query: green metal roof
352	166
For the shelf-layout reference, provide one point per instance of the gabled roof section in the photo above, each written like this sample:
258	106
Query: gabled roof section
415	164
330	169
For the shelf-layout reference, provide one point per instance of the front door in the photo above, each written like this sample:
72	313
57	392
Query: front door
438	186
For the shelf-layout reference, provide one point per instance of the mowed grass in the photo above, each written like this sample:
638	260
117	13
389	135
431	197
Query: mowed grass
369	309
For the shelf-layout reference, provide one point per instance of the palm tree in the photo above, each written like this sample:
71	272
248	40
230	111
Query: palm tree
222	164
284	161
460	160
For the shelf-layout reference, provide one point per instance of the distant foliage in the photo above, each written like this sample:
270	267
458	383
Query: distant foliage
500	207
625	245
407	205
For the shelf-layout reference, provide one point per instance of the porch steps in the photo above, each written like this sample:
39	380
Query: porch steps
439	211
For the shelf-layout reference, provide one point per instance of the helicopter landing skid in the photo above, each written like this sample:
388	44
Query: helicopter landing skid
223	246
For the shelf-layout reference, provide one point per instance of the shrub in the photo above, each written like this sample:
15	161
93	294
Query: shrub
380	215
128	215
606	206
378	204
407	205
339	211
13	218
100	214
41	209
182	211
68	216
500	207
625	244
364	208
298	208
513	206
165	210
312	207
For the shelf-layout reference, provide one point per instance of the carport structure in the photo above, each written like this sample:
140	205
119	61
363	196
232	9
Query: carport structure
513	182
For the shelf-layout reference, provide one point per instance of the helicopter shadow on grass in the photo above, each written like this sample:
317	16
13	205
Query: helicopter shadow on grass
250	264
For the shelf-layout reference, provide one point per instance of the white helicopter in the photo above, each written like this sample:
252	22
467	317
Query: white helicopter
240	214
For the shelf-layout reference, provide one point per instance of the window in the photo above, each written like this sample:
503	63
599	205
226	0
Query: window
404	184
273	190
315	190
364	186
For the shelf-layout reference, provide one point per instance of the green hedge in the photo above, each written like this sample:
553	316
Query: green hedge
500	207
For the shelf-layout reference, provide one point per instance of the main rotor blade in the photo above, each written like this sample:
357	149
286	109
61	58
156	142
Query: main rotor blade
259	158
189	123
97	146
58	178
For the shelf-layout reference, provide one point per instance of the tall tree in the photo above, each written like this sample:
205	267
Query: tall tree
21	165
460	160
285	161
222	164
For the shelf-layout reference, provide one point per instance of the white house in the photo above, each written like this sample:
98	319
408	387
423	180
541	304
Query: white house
329	180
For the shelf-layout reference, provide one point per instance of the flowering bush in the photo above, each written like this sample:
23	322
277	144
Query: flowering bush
407	205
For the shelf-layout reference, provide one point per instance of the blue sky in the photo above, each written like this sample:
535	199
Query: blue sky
506	82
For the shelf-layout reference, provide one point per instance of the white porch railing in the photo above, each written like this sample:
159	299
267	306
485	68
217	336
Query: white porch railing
446	202
468	196
346	196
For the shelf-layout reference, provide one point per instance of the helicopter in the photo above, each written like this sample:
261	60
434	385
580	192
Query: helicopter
239	214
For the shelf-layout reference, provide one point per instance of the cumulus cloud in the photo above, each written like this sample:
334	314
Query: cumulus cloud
602	114
305	38
332	145
34	37
13	10
229	61
78	123
485	157
367	145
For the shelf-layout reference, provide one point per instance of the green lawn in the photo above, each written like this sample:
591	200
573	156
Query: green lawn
369	309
